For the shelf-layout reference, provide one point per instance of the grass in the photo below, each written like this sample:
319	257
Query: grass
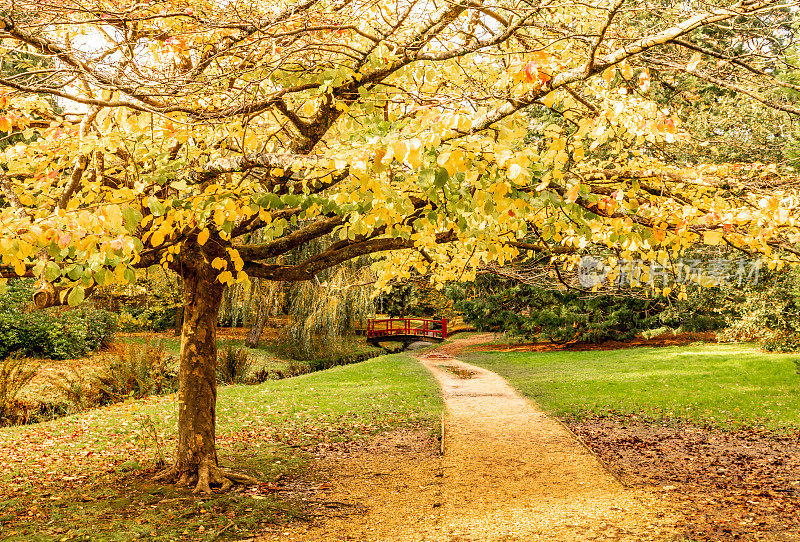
719	385
86	477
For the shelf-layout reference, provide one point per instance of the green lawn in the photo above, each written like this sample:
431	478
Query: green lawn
86	477
724	385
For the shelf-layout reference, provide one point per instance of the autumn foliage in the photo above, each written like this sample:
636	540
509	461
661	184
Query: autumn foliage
444	137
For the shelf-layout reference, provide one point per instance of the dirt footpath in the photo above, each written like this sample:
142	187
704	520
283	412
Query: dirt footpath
513	473
508	473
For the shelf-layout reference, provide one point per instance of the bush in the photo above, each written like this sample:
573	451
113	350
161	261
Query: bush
128	323
538	314
100	327
767	312
15	373
543	315
233	365
53	333
155	318
136	371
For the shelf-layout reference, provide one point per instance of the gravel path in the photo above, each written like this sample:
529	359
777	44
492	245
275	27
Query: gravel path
508	473
513	473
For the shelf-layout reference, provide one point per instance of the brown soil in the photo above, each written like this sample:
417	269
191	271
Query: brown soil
724	486
665	339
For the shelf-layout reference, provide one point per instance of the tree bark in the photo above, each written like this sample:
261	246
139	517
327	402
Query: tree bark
254	335
179	321
196	460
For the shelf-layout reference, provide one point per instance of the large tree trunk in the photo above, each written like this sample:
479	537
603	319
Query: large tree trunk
196	461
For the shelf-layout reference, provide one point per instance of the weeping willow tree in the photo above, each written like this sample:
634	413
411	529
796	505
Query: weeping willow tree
269	292
242	302
323	314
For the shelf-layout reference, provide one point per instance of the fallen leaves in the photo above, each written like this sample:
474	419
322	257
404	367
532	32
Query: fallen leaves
723	485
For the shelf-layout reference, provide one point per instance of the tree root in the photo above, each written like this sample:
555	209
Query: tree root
239	478
170	473
207	475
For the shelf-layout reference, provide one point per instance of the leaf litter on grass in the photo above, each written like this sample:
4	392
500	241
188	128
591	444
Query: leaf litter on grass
725	485
87	475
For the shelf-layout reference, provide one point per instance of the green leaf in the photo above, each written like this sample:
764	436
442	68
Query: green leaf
100	277
440	177
129	275
51	272
270	201
75	272
76	296
131	218
155	206
291	200
437	176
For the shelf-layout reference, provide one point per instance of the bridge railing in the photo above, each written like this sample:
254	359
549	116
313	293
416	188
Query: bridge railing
420	327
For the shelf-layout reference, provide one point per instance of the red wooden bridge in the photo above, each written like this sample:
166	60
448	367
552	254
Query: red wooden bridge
406	330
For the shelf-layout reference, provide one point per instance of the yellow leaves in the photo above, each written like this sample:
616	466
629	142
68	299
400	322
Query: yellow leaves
202	237
712	237
400	150
113	215
238	263
226	277
219	263
409	151
572	193
158	237
694	62
220	216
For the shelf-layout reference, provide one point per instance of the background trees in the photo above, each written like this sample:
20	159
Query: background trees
449	136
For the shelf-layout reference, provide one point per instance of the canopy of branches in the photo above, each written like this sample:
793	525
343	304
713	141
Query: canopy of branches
451	134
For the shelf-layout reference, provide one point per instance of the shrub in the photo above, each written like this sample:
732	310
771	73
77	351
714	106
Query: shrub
128	323
533	313
78	389
100	328
53	333
233	365
156	318
767	312
135	371
15	373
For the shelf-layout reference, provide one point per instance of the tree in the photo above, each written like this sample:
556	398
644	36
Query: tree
400	128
